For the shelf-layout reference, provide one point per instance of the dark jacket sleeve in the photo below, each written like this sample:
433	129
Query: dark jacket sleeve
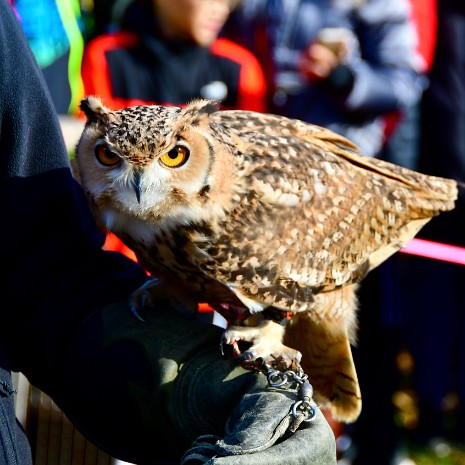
55	273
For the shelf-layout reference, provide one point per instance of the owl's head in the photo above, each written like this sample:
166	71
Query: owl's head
156	163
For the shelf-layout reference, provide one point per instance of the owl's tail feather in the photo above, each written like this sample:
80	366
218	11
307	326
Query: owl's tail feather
433	195
327	360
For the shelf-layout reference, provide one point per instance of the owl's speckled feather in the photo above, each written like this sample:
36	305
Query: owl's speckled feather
264	212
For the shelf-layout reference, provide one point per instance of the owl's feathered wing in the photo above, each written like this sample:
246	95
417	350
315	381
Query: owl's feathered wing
317	215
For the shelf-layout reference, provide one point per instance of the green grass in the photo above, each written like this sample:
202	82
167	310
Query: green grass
447	454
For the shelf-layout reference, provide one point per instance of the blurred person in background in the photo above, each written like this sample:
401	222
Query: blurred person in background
168	52
344	65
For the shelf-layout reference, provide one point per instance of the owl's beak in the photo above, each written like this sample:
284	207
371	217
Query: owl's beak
136	182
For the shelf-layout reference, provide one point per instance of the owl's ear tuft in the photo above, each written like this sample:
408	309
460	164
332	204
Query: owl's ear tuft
197	111
207	106
95	110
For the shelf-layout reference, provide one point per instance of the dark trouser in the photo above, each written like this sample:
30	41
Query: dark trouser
14	446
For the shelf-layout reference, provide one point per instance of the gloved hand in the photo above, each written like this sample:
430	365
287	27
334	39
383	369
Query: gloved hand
143	391
258	433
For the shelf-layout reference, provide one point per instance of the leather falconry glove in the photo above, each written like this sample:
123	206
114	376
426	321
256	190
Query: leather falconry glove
177	398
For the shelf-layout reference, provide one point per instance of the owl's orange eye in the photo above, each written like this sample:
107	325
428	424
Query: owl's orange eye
105	156
176	157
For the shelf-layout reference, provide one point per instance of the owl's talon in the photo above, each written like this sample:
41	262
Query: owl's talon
249	360
160	292
234	345
247	356
137	314
283	363
140	299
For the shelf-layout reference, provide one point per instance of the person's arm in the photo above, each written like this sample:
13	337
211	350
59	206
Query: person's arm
388	77
373	69
142	391
56	272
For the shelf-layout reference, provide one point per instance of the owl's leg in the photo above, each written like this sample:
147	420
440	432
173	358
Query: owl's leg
323	336
266	344
156	292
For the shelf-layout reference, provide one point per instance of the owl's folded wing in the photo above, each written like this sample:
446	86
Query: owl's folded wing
317	216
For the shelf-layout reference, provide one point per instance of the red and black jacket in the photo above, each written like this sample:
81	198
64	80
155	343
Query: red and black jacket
126	68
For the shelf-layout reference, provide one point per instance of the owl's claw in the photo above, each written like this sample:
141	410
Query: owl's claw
156	292
136	313
249	360
234	345
141	298
283	363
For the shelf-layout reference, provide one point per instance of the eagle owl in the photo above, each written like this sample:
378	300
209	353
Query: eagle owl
257	212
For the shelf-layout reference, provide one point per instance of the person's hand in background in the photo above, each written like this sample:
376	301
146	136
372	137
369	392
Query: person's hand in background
330	49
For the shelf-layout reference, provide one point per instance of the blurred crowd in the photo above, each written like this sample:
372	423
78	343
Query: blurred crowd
388	74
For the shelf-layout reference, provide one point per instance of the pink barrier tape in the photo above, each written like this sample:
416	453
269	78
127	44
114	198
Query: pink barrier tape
435	250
